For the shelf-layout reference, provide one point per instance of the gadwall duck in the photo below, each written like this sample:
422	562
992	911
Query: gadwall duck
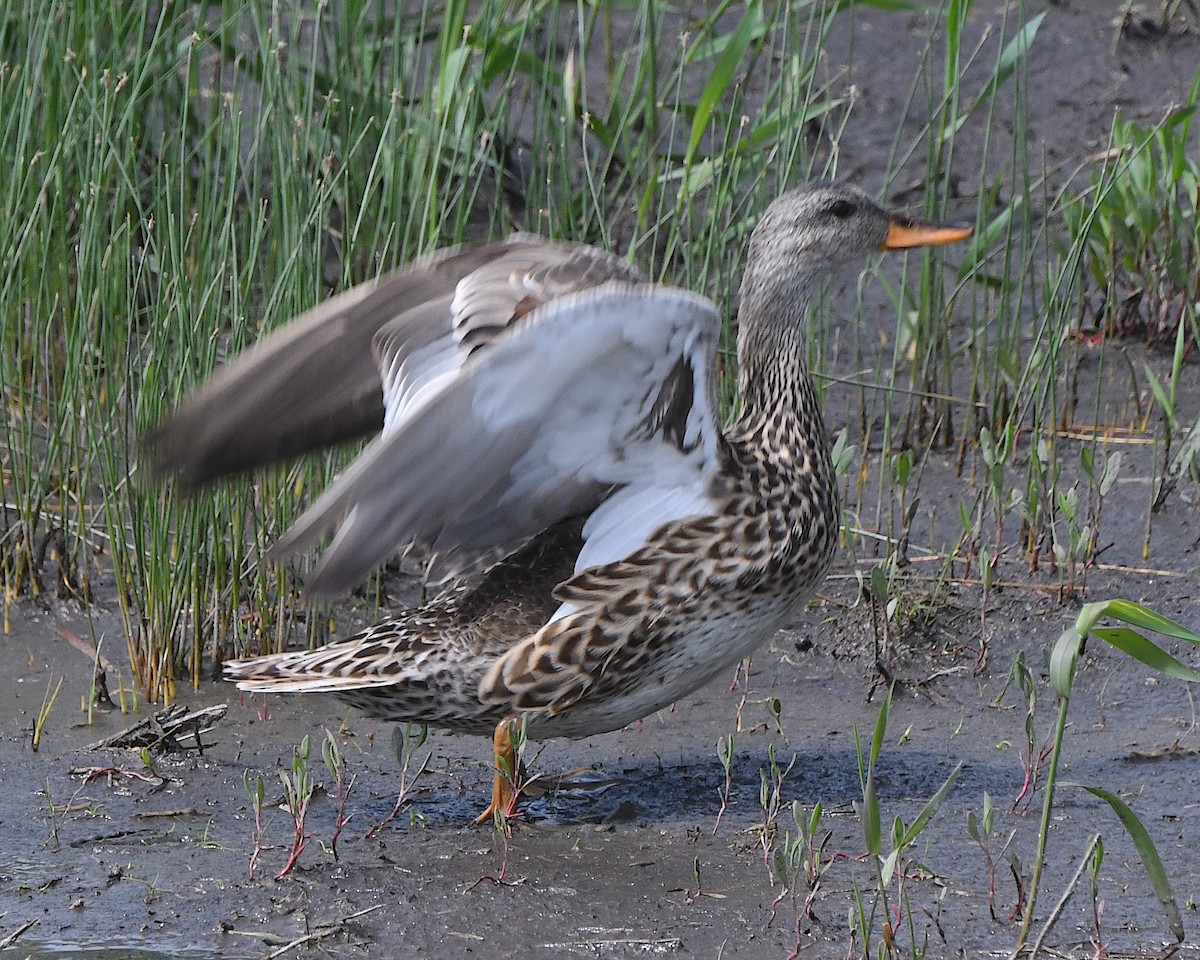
548	433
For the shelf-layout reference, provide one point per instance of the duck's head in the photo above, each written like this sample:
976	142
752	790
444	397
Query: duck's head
820	228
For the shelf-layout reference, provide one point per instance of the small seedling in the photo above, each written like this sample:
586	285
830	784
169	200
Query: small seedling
1021	677
979	829
799	863
333	762
255	790
725	753
39	723
407	741
770	798
297	793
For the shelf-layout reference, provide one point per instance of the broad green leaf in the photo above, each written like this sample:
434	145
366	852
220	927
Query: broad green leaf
1062	662
450	77
1150	859
888	869
1147	652
1147	619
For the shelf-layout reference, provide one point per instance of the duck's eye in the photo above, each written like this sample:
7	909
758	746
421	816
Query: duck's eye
841	209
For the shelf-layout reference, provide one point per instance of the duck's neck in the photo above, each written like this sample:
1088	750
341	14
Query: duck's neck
773	379
778	441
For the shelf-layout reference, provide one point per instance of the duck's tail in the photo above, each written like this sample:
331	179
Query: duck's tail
384	656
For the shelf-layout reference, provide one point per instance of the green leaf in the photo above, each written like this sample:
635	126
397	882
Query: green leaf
888	869
1062	661
930	808
1160	397
878	584
880	728
724	72
1150	859
869	814
1147	652
450	78
1147	619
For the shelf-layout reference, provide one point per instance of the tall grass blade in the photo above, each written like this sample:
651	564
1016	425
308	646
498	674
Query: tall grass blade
724	71
1010	59
1153	864
931	808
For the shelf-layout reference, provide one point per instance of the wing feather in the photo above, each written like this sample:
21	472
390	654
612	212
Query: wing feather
540	426
315	382
312	383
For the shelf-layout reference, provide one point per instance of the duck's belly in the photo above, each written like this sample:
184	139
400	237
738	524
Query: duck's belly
656	678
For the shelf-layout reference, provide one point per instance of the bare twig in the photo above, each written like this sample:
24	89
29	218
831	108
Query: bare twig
166	730
22	929
323	931
1062	901
152	814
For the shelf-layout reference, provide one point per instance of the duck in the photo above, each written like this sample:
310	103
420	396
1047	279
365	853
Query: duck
546	430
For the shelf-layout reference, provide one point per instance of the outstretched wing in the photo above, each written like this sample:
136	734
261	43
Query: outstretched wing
603	390
315	382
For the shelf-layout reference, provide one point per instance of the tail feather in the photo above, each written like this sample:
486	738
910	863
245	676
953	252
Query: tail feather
287	673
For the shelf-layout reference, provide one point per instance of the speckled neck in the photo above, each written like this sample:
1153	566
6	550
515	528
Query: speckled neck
773	379
779	425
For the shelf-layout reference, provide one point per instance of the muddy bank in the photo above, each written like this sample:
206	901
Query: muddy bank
102	848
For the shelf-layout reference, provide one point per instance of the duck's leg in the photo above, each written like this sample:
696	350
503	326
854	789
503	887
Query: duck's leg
505	759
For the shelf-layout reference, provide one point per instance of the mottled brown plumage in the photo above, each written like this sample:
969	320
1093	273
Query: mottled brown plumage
542	404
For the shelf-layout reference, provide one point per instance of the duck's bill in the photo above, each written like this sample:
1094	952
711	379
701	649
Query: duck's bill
903	234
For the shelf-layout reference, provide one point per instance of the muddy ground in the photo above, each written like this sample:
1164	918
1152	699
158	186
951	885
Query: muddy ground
107	856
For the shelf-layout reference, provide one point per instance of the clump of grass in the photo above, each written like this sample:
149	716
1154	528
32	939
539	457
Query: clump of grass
889	863
43	715
1138	225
